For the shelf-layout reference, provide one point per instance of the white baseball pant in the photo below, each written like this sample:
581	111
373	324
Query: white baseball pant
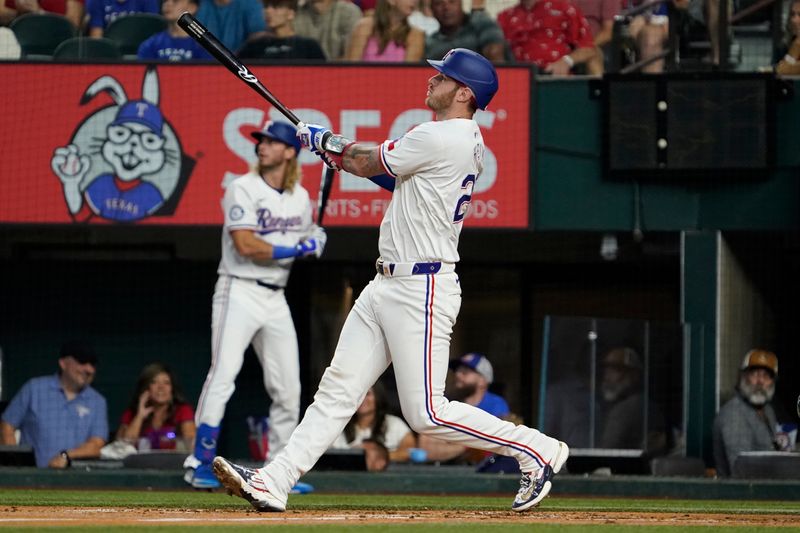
244	312
406	321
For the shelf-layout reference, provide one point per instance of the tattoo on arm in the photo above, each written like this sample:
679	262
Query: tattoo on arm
362	160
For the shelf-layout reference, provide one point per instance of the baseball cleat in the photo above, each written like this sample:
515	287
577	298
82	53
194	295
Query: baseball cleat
246	483
533	489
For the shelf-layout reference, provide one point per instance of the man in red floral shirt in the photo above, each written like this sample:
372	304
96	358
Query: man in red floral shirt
552	34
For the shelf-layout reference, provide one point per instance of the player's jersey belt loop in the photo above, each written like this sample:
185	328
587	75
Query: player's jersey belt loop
394	270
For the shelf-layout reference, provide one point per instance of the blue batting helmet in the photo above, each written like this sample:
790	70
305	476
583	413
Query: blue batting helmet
279	131
471	69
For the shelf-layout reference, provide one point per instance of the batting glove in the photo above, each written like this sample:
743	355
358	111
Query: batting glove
314	245
332	160
313	137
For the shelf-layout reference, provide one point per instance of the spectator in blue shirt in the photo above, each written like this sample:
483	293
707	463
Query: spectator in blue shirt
173	44
61	416
102	12
473	373
233	21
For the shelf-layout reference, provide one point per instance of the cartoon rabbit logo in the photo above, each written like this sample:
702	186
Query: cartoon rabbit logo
124	162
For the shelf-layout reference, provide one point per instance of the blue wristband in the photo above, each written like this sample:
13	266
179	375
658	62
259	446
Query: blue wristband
283	252
384	181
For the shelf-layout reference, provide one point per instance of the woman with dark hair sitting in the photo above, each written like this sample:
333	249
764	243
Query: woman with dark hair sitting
158	417
377	431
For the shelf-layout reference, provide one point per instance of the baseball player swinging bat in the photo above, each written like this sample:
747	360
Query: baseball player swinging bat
209	41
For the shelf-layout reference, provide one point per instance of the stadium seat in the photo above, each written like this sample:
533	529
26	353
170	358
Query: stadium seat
40	33
130	31
87	48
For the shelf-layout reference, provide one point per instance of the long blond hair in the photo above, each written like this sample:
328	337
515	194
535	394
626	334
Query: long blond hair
291	175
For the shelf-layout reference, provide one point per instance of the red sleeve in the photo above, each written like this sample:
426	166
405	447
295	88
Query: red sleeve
127	416
183	413
579	31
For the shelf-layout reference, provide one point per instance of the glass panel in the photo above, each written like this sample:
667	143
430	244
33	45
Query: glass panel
613	384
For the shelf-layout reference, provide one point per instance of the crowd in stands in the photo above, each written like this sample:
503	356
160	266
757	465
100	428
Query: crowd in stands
64	418
559	37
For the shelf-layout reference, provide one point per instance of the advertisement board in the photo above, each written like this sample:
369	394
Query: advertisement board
158	143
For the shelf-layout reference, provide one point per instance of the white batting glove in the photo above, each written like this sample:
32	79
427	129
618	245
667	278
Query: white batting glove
313	136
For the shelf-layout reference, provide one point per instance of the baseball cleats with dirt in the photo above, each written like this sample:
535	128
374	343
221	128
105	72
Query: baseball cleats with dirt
535	486
247	483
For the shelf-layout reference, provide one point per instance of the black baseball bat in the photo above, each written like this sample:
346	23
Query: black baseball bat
209	41
324	191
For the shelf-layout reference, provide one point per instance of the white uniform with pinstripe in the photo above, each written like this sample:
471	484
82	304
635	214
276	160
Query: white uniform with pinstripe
249	305
405	315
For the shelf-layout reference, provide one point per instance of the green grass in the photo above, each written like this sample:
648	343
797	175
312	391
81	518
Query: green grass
389	503
399	502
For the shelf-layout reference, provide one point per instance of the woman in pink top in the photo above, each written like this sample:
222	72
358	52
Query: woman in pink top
386	35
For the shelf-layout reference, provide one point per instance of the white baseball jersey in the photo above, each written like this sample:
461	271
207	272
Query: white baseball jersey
279	218
405	315
435	166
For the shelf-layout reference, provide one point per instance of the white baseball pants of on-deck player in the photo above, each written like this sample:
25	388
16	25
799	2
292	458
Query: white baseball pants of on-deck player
245	312
406	321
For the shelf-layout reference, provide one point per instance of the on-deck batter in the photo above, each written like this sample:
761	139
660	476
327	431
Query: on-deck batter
267	224
405	315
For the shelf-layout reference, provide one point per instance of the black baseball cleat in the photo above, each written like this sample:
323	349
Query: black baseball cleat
247	483
533	489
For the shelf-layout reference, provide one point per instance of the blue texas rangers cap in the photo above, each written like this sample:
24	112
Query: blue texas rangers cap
142	112
279	131
477	362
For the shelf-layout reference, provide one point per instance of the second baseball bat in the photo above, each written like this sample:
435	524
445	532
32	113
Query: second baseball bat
208	40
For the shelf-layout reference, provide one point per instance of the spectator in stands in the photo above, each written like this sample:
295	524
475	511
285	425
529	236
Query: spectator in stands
422	18
623	406
283	43
789	63
173	44
234	22
377	431
552	34
329	22
103	12
72	9
475	31
158	416
61	416
600	16
747	422
386	35
649	32
472	375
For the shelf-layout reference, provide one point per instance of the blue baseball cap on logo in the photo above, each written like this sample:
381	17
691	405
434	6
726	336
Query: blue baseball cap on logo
142	112
279	131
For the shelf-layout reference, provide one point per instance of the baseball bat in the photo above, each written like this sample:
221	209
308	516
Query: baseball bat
324	192
209	41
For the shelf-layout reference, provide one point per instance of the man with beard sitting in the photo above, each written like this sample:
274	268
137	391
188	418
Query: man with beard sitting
747	421
472	375
623	407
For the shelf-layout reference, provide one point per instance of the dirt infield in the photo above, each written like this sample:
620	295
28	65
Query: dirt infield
11	516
